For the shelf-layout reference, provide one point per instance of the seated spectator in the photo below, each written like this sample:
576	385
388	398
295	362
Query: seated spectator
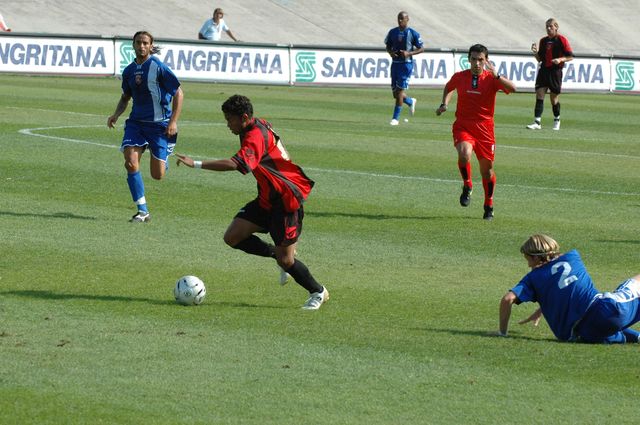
212	28
3	25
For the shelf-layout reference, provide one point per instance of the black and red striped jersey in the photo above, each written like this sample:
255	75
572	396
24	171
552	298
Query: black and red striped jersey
280	181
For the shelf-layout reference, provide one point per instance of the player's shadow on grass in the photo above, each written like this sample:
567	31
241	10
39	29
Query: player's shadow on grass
623	241
48	295
485	334
369	216
64	215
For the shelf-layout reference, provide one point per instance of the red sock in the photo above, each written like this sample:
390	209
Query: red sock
465	172
489	185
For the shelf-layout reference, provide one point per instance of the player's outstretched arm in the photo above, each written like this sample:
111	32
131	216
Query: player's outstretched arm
214	165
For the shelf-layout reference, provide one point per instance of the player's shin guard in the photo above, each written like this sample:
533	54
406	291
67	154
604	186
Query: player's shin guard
136	187
255	246
465	173
537	112
489	186
301	274
556	110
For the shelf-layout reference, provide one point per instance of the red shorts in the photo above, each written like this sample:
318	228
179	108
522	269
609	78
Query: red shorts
479	133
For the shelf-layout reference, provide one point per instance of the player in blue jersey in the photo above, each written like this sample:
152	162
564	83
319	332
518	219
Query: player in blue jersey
574	309
153	121
402	44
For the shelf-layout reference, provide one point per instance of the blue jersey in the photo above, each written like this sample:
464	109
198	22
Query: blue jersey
564	290
406	40
152	86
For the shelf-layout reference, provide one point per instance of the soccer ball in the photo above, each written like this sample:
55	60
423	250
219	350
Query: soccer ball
189	290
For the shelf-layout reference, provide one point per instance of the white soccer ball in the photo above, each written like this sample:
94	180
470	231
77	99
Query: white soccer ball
189	290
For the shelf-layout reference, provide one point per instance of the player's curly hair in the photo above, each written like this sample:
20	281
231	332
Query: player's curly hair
154	49
541	246
238	105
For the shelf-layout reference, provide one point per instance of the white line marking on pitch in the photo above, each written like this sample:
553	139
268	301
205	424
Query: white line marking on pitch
30	132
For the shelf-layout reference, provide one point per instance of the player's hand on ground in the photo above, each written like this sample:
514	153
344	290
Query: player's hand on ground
184	159
535	318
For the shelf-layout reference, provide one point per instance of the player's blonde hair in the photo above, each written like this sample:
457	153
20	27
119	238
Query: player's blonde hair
542	246
553	21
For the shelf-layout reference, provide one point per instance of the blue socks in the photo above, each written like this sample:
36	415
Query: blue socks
136	187
408	100
396	112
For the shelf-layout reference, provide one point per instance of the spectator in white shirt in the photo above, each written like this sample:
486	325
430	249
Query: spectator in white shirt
212	28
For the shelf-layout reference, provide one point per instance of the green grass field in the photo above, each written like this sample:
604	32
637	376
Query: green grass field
90	334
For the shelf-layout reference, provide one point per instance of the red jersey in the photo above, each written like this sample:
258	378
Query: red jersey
280	181
476	95
551	48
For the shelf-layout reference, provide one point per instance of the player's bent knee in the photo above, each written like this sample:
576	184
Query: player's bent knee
231	239
157	175
286	263
131	166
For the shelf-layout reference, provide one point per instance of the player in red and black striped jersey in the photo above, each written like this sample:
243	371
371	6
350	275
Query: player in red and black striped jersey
282	189
551	52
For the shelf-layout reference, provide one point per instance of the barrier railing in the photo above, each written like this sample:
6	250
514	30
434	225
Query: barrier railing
294	65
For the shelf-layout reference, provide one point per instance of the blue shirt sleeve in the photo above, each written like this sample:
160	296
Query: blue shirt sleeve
417	39
524	291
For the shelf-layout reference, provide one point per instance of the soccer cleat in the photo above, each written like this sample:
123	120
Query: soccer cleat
413	105
535	126
316	299
488	213
141	217
394	122
465	197
556	125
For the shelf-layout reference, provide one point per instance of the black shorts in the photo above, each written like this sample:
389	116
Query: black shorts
550	78
284	227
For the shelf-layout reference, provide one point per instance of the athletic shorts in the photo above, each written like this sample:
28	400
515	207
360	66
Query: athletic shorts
284	227
550	78
400	75
151	135
610	314
479	133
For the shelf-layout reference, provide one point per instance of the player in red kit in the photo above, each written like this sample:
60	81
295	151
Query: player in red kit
473	129
282	189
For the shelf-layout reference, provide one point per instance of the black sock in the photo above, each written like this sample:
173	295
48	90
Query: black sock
537	112
556	110
301	274
255	246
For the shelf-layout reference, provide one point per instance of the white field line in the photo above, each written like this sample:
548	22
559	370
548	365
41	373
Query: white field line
32	132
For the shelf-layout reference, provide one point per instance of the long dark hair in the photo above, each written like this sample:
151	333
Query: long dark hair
154	49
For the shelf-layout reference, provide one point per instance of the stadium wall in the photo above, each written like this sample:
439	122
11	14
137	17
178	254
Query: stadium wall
294	64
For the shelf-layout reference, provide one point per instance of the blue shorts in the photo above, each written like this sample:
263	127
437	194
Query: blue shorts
400	75
610	314
149	134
